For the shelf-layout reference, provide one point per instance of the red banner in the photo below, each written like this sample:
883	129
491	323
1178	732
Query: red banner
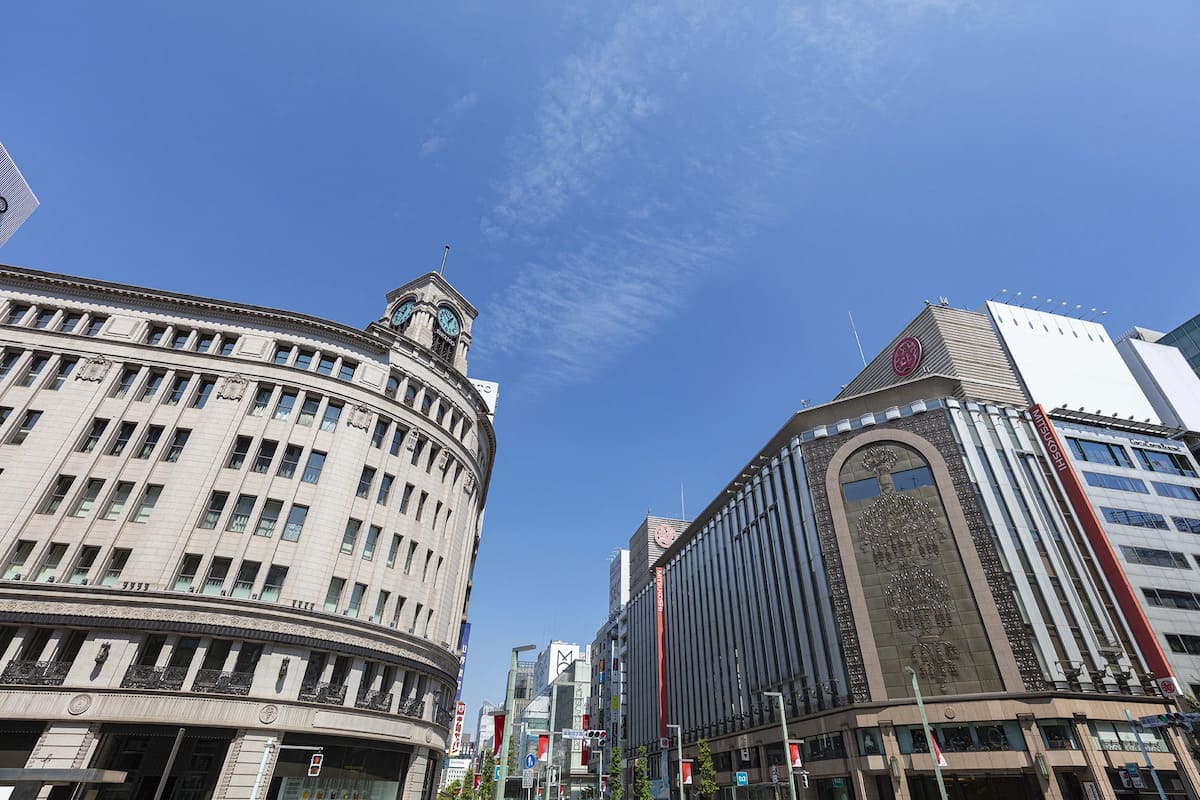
660	603
478	778
687	773
794	755
498	735
543	746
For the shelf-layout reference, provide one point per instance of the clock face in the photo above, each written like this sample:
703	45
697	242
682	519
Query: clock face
664	535
402	313
447	321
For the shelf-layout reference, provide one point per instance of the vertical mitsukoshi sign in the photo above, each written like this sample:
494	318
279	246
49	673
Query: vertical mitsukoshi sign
659	609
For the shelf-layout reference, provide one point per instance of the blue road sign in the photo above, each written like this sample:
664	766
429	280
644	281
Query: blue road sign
530	760
740	778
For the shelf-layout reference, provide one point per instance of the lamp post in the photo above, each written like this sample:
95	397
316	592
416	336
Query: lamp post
787	756
678	754
508	700
937	768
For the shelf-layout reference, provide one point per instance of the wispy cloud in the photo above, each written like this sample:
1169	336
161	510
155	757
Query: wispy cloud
442	128
657	148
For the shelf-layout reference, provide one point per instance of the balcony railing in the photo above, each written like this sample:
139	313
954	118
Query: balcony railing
150	677
328	693
375	701
35	673
443	716
215	681
411	708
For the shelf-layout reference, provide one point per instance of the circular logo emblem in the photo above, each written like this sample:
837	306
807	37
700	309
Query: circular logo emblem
906	356
664	535
1167	686
79	704
268	714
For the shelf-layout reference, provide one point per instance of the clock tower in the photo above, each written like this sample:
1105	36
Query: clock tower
429	312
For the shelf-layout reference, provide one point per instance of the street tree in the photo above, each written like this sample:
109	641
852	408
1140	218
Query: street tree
616	776
641	777
708	772
487	776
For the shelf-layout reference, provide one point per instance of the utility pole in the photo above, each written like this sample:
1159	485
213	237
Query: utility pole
787	755
933	748
508	723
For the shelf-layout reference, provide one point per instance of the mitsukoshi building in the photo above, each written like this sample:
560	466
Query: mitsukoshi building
231	535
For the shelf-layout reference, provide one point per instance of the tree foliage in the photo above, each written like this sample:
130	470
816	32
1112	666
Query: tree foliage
452	791
708	772
487	776
616	776
641	777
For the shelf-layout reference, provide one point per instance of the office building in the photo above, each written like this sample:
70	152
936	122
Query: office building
1186	337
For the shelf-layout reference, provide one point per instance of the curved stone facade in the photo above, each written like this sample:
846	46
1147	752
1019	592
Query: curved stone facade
253	525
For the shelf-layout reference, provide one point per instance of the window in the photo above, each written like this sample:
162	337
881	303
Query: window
312	470
178	442
262	399
155	334
203	392
243	585
94	325
153	383
364	481
41	320
412	551
400	601
149	499
149	441
1119	482
1186	524
385	488
87	499
273	584
325	365
290	460
380	605
58	493
118	499
368	552
393	385
397	440
295	523
377	437
1153	557
240	518
8	362
346	370
441	413
333	412
51	562
416	618
1177	491
426	403
237	456
212	512
410	394
269	517
36	365
65	366
188	567
283	354
83	564
5	411
1170	463
116	565
404	498
1184	643
27	425
1138	519
304	359
16	312
283	409
1168	598
350	535
433	454
1099	452
418	446
421	505
356	598
180	339
266	454
227	345
394	550
218	570
178	389
308	410
16	562
425	569
121	440
334	594
128	378
204	342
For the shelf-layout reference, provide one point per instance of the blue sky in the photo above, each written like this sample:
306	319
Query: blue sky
663	211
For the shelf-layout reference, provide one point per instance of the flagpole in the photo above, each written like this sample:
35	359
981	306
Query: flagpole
933	748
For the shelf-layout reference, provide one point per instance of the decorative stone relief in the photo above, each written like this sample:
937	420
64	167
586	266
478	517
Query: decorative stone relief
360	417
233	387
268	714
79	704
469	483
443	460
413	437
93	369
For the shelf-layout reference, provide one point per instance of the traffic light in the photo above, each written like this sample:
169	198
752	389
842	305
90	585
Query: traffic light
598	737
314	765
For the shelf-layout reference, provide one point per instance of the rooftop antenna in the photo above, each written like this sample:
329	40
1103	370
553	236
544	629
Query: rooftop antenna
682	507
1002	291
857	341
445	254
1017	299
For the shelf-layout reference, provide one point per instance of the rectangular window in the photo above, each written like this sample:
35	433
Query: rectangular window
36	365
404	498
83	564
1119	482
377	436
122	439
1176	490
1184	643
385	489
308	410
283	409
178	442
125	383
304	359
425	569
380	606
364	482
418	446
266	454
237	456
25	428
58	493
1138	519
394	550
155	334
1169	598
426	403
94	325
433	454
295	523
273	584
118	500
346	370
262	399
283	354
441	413
180	339
397	440
227	345
116	565
214	509
203	392
188	568
5	411
1186	524
16	312
65	366
204	342
1099	452
333	412
269	517
16	563
325	365
368	552
356	598
410	394
154	382
351	534
149	499
41	320
1170	463
400	601
87	499
178	389
412	552
149	441
243	586
1153	557
334	594
218	571
290	461
421	505
312	470
9	361
240	518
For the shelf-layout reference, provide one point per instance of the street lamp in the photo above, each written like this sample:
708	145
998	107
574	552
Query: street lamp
937	767
678	754
787	756
508	699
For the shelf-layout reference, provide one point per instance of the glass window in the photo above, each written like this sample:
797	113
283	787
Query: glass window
154	382
312	470
1119	482
385	489
149	499
83	564
58	493
178	389
404	498
1186	524
1153	557
394	550
1184	643
426	403
188	568
377	436
273	584
262	399
65	366
412	552
218	570
325	365
1170	463
16	562
41	320
94	325
9	361
128	377
410	394
346	370
70	321
334	594
243	585
350	535
179	340
364	481
393	385
266	454
87	499
240	518
283	354
304	359
368	552
418	446
290	461
116	565
380	606
227	345
269	517
155	334
1170	598
1177	491
295	523
356	598
1099	452
212	512
178	442
203	392
397	440
308	410
237	456
92	438
36	365
333	412
204	342
149	441
1138	519
118	500
16	312
283	409
122	439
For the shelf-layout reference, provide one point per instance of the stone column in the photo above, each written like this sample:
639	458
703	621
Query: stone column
1033	745
1096	769
242	764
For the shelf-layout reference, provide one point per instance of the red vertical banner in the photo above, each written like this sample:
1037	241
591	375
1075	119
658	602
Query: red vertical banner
498	735
687	773
543	746
794	755
660	603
